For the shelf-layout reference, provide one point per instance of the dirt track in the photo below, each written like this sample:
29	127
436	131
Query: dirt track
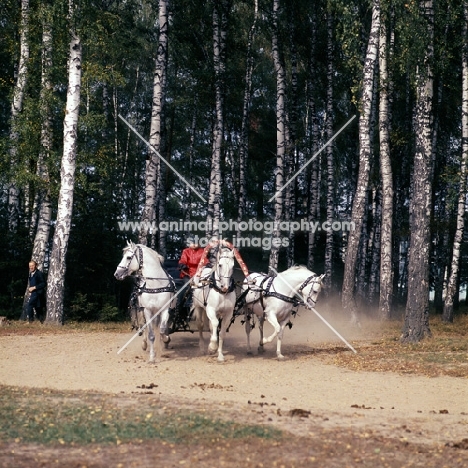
411	408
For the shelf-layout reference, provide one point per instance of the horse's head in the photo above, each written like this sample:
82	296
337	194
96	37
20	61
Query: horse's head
311	291
129	263
224	267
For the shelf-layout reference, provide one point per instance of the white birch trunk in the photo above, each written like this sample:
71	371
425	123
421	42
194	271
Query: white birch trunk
244	134
56	277
386	270
416	325
360	197
41	238
153	163
312	137
187	200
44	205
374	248
330	163
219	43
16	108
448	312
280	134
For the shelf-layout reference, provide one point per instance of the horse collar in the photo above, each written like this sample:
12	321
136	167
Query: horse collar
294	300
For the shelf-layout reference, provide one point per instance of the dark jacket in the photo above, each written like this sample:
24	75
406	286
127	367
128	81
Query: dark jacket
37	279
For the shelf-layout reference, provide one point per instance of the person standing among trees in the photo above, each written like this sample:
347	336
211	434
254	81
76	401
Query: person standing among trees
36	288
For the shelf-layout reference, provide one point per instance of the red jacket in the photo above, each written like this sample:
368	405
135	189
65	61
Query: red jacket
191	258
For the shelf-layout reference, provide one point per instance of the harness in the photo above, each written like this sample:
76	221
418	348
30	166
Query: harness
212	283
134	306
265	290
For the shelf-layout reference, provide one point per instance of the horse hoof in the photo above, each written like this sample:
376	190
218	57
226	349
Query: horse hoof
280	357
144	345
249	353
220	358
261	350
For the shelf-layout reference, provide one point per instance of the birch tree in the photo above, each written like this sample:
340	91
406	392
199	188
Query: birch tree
280	74
416	325
44	217
451	291
244	132
360	196
329	152
220	16
386	269
312	134
16	108
43	203
56	276
153	182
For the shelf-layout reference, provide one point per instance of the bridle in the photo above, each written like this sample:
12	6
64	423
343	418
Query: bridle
213	280
310	302
134	253
217	277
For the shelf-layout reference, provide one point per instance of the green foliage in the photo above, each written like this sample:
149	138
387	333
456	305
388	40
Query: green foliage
119	45
110	313
81	308
93	307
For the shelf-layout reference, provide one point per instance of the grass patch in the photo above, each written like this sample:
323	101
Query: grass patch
20	327
50	417
446	353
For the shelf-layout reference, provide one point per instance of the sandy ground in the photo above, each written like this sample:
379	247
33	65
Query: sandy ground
414	408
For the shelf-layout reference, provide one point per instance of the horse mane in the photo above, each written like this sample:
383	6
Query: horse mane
155	255
296	268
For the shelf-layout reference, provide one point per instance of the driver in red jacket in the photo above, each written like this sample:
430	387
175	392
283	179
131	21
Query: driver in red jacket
190	259
188	265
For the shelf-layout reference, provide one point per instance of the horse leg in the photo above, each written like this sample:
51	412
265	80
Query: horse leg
158	337
261	321
274	322
164	329
198	313
151	342
140	318
222	334
248	329
214	322
279	341
150	334
144	343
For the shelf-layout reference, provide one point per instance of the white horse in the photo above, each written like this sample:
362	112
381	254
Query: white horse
154	291
273	298
214	298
